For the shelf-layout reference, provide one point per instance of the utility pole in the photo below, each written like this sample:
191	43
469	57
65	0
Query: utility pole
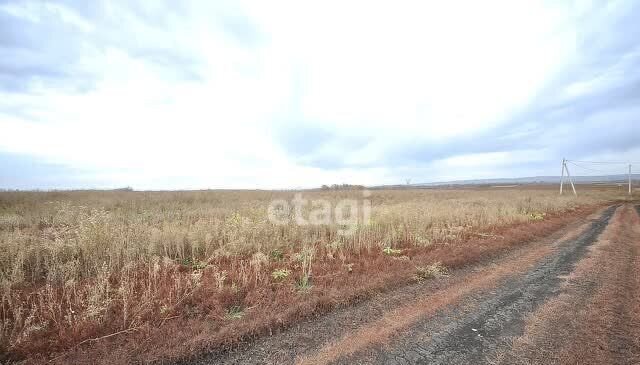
629	179
569	177
562	176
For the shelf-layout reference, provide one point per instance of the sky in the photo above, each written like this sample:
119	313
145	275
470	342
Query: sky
291	94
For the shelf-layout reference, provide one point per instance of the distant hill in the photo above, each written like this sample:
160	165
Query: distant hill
604	179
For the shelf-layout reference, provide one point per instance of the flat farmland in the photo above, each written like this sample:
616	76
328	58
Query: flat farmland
126	276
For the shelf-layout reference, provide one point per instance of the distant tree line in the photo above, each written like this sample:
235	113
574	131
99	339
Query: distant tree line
342	187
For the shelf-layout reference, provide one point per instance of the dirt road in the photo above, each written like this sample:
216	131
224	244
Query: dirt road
572	298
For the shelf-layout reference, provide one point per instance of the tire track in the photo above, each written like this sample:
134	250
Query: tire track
485	321
596	319
432	321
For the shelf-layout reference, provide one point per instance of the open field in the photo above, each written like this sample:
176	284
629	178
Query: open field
571	297
161	275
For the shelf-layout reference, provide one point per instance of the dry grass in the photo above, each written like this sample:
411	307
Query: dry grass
76	266
435	270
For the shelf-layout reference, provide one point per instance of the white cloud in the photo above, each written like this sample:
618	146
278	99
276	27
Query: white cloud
195	97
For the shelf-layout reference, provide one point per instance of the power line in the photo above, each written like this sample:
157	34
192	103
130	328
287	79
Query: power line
607	162
591	169
573	162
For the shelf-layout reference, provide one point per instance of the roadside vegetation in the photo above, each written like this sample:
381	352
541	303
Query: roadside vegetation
203	269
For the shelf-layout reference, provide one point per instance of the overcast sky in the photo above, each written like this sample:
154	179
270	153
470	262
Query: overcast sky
271	94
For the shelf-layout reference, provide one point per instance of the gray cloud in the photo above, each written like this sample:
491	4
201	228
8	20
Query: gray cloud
43	52
49	51
603	118
598	116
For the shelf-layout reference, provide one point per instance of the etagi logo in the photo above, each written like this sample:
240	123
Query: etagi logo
346	213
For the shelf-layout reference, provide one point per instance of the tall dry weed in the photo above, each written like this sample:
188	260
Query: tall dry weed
80	264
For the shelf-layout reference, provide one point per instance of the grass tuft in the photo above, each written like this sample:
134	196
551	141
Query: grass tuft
234	312
432	271
280	274
391	251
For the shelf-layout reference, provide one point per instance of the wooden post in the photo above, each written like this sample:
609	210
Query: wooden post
562	176
570	180
629	179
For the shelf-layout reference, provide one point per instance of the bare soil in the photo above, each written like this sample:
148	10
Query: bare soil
572	297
